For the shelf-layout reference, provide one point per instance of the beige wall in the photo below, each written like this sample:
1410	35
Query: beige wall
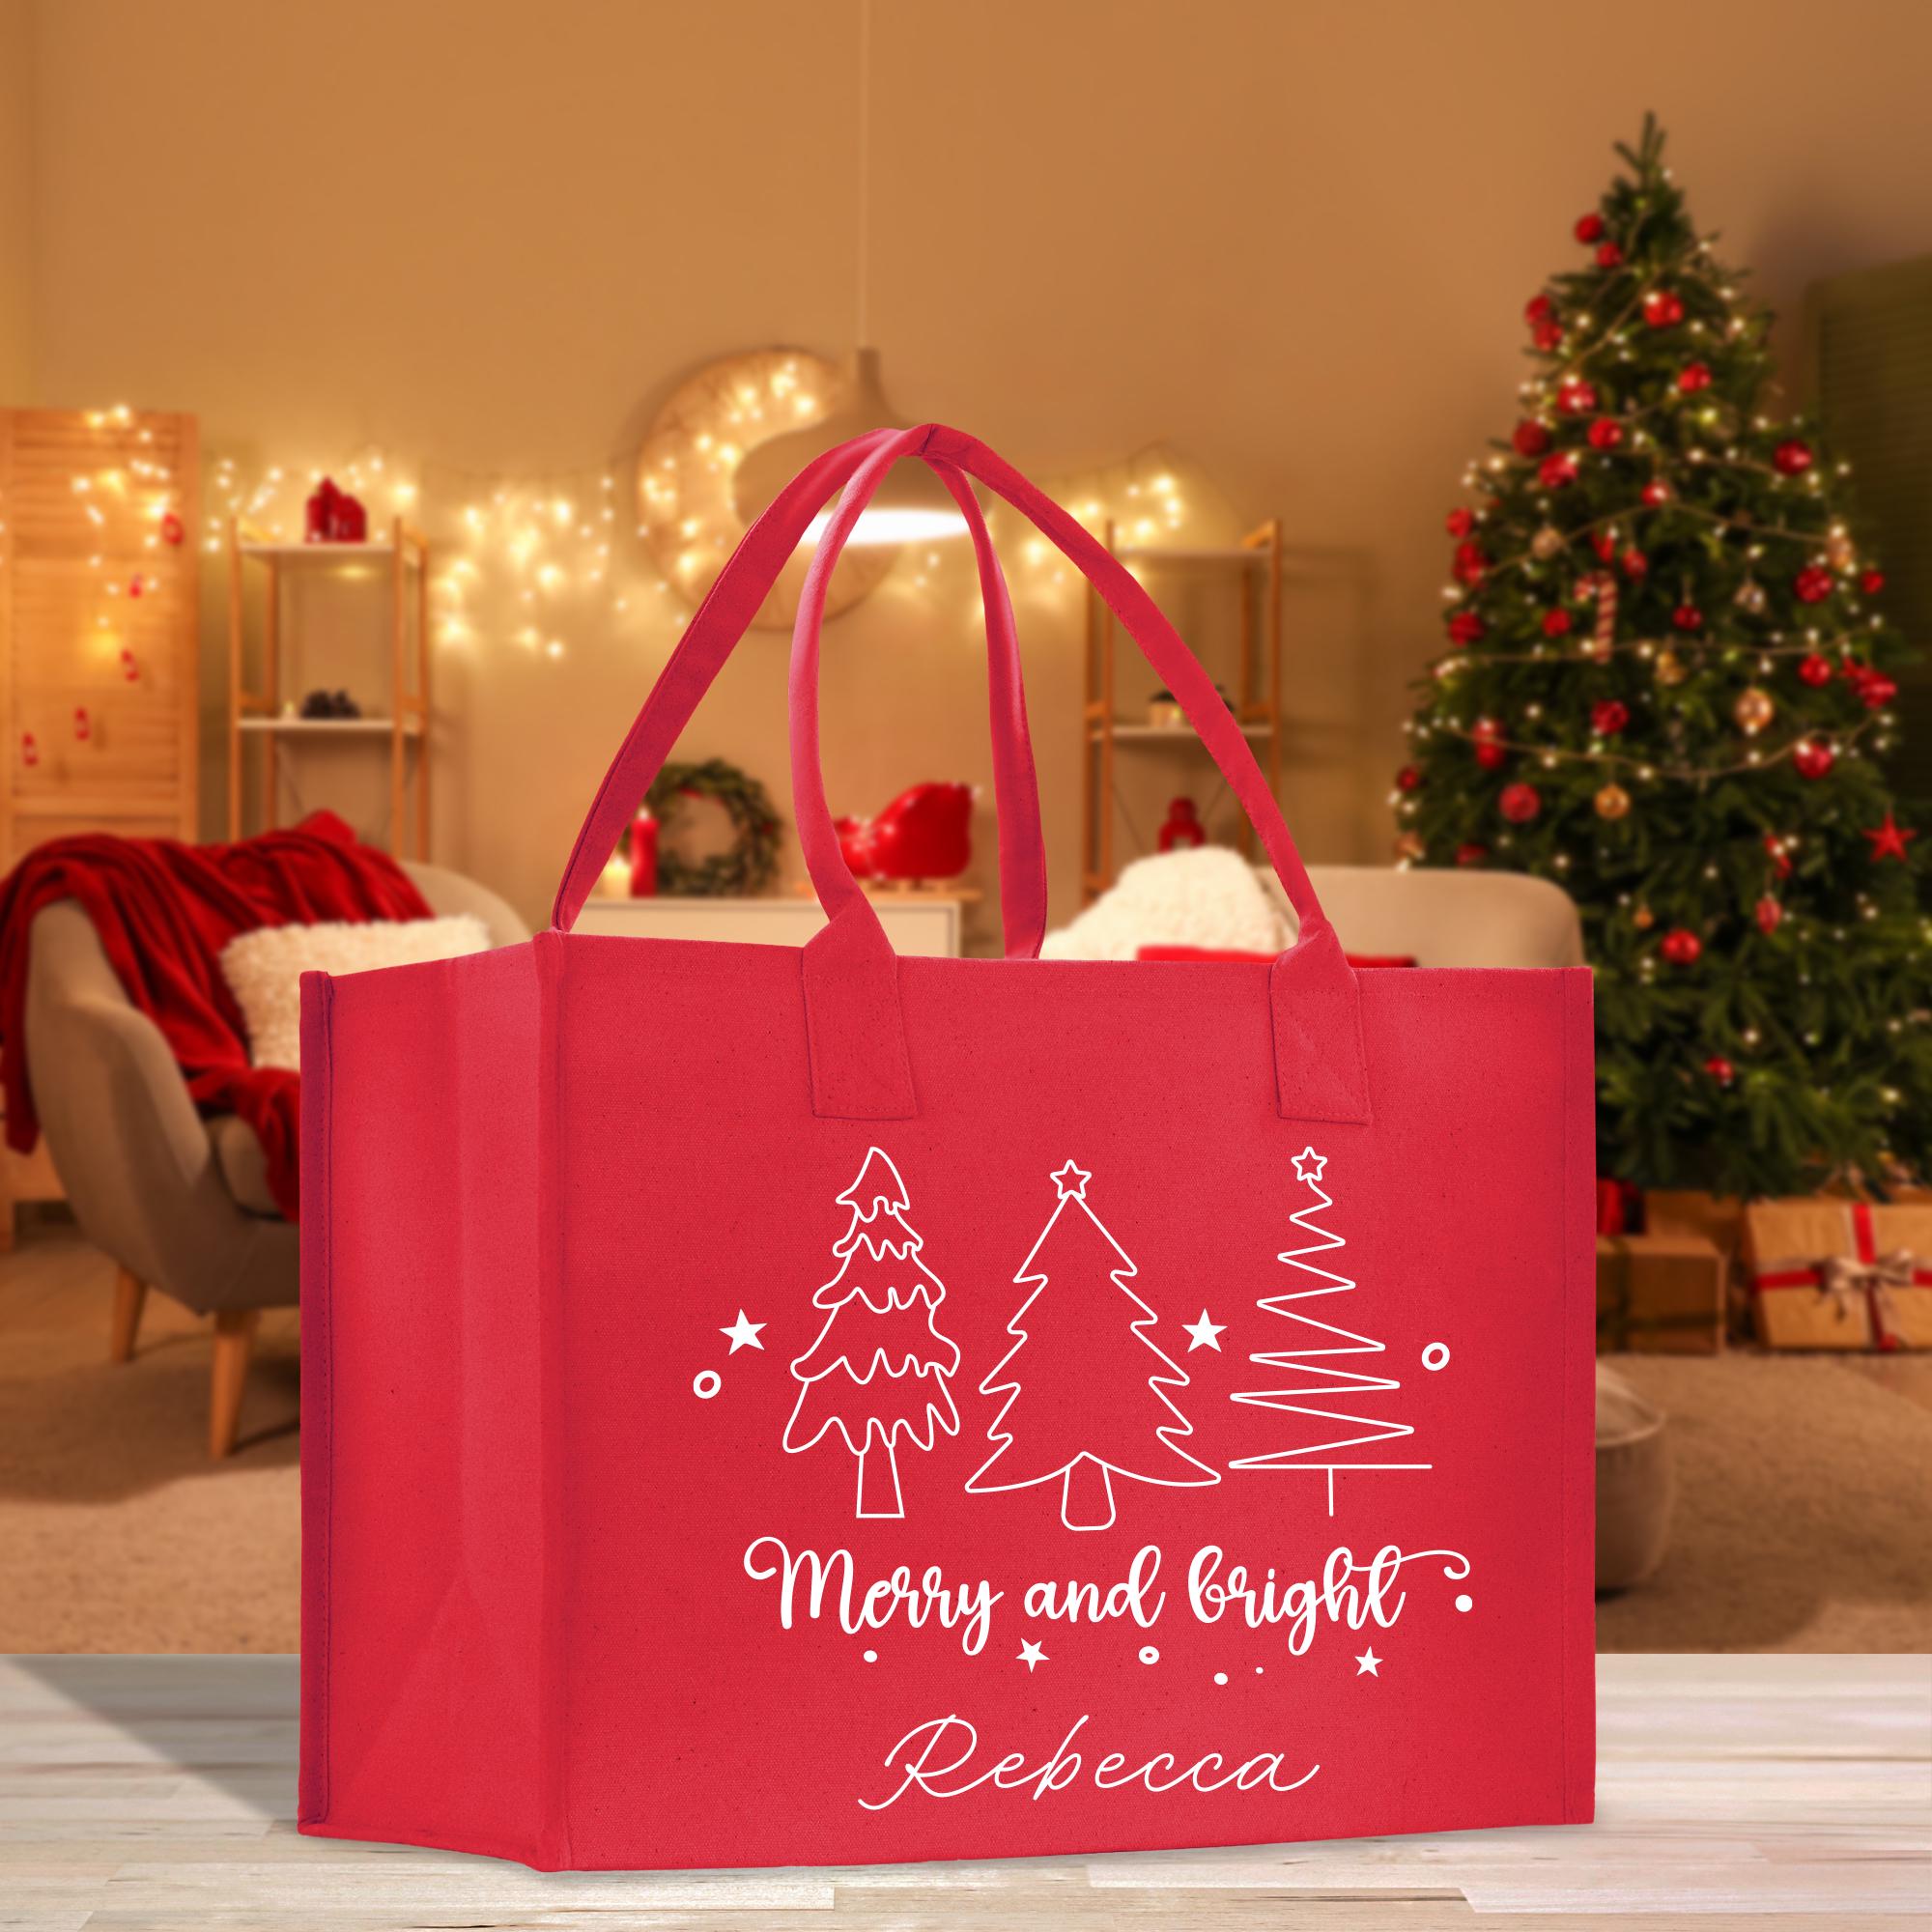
1290	242
16	199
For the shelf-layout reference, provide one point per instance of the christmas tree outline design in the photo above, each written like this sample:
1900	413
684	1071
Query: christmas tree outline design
879	1237
1071	1182
1325	1338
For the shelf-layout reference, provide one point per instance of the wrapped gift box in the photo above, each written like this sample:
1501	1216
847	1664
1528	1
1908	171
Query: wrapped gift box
1659	1294
1840	1274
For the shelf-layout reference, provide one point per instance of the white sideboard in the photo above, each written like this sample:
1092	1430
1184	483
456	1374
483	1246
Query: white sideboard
916	923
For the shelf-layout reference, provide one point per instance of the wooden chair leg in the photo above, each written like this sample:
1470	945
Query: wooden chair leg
131	1297
234	1339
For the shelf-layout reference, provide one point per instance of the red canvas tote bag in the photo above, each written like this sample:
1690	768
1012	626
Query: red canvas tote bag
773	1405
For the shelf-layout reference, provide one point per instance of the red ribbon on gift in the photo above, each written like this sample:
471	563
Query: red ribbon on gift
1871	1275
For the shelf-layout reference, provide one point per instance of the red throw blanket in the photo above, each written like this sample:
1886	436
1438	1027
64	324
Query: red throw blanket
164	911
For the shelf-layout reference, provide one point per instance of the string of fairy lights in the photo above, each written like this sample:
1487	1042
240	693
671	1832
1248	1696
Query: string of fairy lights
539	562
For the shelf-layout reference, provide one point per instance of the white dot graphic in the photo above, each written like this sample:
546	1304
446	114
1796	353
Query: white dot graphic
1435	1356
1220	1677
1149	1654
706	1384
1258	1669
871	1657
1465	1602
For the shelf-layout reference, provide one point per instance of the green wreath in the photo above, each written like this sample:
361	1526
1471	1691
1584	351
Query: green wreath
748	867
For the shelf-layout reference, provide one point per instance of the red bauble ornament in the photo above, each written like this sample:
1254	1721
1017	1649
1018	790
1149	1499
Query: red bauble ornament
1459	523
1530	438
1519	802
1872	582
1575	397
1655	492
1469	563
1491	757
1589	227
1558	471
1813	584
173	531
1876	691
1814	671
1780	859
1681	946
1769	914
1547	336
1471	855
1635	563
1606	433
1485	728
1792	458
1605	544
1692	377
1720	1069
1408	779
1539	308
1608	716
1662	308
1466	627
1688	617
1556	623
1813	758
1610	255
1889	840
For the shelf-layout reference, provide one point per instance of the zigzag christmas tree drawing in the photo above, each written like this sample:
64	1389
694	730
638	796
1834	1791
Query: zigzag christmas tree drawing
1315	1382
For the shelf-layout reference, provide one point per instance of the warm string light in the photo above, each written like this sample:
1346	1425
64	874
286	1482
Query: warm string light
538	561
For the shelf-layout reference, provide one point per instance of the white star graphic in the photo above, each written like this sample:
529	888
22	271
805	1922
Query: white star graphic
742	1333
1369	1665
1030	1655
1072	1179
1306	1159
1206	1334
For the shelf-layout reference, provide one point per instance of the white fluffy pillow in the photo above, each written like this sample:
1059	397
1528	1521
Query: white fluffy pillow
1209	897
263	968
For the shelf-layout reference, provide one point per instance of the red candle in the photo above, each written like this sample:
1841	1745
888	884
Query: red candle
644	856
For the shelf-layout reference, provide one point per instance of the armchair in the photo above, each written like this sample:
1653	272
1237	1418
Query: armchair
177	1202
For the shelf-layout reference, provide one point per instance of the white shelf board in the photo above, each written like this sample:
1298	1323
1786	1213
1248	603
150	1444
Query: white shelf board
1177	553
1180	734
331	553
322	727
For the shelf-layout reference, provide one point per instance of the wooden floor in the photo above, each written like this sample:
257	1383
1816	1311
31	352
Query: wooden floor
149	1793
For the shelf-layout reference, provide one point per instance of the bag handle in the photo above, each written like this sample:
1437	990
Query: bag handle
721	620
860	1066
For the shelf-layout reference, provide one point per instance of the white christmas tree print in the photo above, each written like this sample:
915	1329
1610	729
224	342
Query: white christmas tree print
1314	1382
1074	1412
879	1369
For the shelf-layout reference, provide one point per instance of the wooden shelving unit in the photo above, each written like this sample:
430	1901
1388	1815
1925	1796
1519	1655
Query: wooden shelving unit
1254	567
257	714
100	632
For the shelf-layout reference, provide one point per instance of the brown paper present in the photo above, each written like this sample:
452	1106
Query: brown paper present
1717	1218
1840	1274
1659	1294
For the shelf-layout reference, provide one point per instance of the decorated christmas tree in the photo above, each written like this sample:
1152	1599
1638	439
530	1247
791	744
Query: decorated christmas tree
1083	1402
1304	1380
1668	687
879	1370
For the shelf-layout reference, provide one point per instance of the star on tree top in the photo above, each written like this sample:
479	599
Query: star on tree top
1309	1165
1071	1182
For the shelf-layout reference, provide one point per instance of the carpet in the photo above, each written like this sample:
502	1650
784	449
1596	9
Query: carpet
1803	1488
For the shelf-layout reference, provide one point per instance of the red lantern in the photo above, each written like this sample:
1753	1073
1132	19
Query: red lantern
1183	830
